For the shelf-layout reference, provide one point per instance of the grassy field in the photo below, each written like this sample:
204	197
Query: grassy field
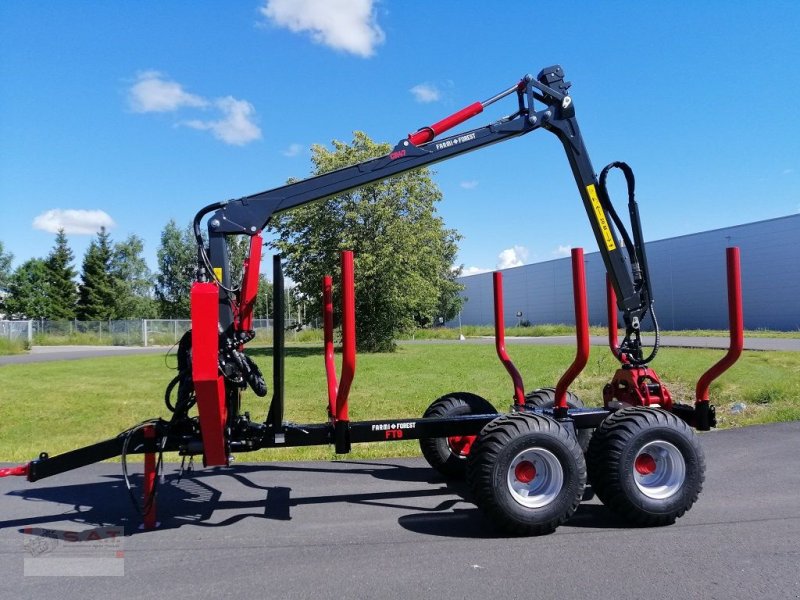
442	333
57	406
264	337
315	335
11	347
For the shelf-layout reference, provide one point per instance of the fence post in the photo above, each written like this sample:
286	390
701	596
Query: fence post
144	332
30	332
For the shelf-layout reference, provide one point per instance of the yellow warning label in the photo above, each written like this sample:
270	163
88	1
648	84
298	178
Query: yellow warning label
218	273
601	218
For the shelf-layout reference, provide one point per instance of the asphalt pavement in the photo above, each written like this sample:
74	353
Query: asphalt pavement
393	528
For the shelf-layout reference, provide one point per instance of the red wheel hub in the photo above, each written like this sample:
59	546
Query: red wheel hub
525	472
461	444
645	464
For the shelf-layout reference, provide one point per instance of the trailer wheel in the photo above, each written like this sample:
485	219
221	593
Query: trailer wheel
647	465
527	473
448	454
546	398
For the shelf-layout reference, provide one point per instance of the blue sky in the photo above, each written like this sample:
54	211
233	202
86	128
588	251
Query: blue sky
135	113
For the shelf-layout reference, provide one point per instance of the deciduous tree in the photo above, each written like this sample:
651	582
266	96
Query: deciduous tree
132	280
177	260
403	252
28	297
5	266
5	275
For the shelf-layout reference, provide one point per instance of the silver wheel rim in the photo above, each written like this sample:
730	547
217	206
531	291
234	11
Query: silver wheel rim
541	485
659	470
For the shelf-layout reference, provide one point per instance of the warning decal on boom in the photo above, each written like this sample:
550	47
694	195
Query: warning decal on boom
601	218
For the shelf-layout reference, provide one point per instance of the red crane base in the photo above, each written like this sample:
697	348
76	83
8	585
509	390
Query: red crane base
636	386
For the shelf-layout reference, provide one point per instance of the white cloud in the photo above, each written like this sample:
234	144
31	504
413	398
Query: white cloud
293	150
469	185
512	257
425	92
562	251
81	222
153	93
348	25
787	171
237	126
473	271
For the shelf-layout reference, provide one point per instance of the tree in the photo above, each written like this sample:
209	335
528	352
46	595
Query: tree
177	259
5	267
61	279
132	281
5	274
264	304
28	291
96	297
238	251
403	252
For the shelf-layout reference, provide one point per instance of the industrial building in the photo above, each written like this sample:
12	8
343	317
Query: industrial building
688	279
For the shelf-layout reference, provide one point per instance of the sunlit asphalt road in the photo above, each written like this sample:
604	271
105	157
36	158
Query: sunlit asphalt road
393	529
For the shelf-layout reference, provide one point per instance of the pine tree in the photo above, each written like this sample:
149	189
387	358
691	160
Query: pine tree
61	280
96	299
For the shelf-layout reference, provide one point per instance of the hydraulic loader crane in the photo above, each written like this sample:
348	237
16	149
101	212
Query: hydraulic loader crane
625	262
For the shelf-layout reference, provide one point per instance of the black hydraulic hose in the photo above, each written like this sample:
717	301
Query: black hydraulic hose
202	255
609	207
168	392
656	333
145	506
635	249
198	234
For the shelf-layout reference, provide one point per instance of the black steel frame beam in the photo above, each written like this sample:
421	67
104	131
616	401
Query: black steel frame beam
386	430
46	466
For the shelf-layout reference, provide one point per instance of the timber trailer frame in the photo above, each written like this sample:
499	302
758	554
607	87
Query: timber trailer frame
527	469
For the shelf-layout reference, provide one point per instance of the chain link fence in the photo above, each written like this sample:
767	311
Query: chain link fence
114	333
130	332
17	331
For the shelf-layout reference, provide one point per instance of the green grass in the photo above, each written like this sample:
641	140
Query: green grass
12	346
546	329
550	329
73	339
749	333
315	335
58	406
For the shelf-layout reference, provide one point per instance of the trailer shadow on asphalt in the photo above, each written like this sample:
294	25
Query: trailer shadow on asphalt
206	498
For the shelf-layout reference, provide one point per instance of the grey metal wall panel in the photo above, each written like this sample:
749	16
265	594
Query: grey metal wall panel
689	282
